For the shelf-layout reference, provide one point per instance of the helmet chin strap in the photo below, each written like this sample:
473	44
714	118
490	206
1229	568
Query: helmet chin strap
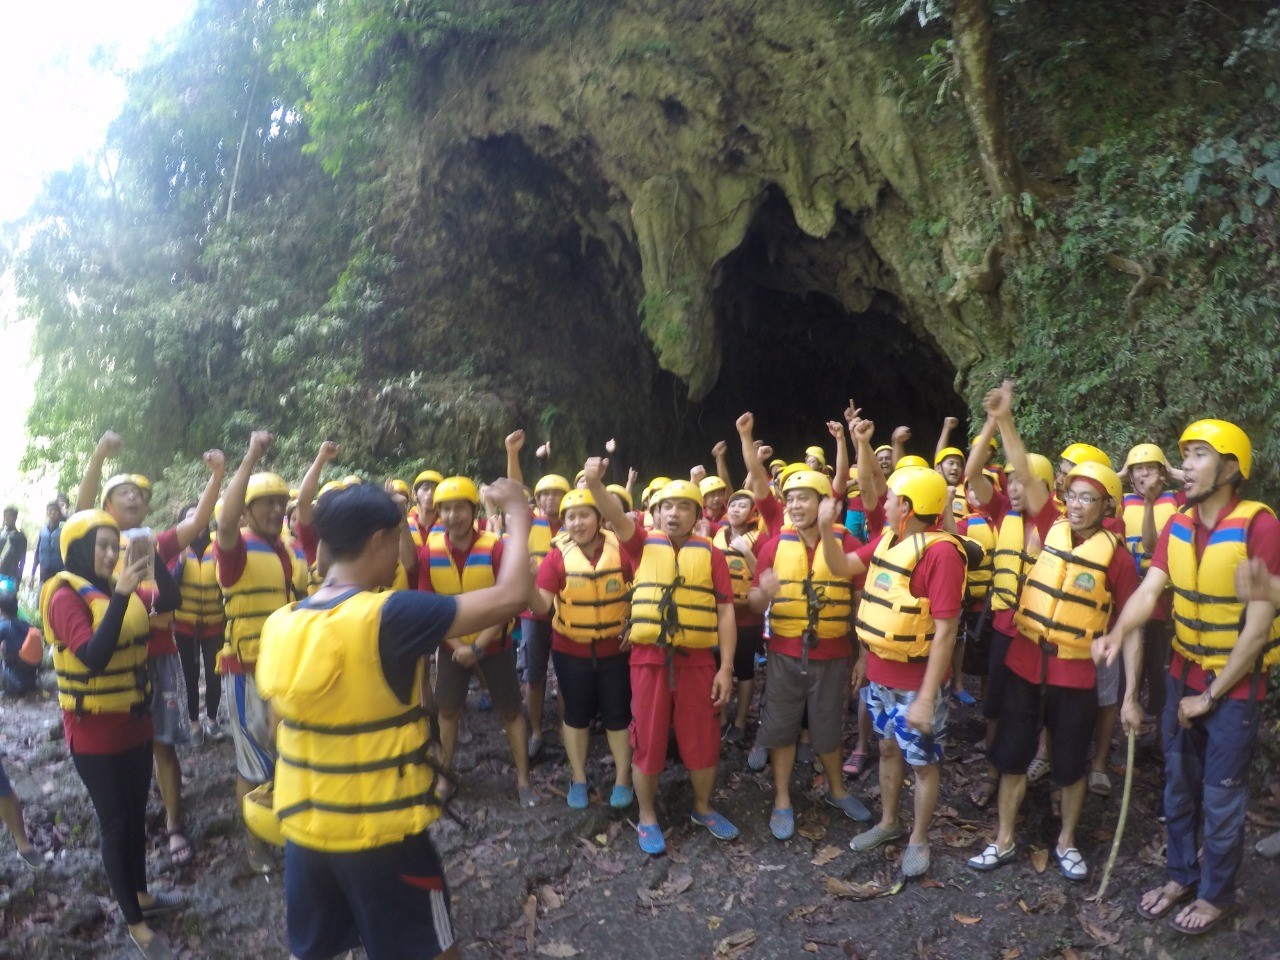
903	520
1217	484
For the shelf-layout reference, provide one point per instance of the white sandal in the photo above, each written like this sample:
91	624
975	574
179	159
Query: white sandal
1037	771
993	857
1071	863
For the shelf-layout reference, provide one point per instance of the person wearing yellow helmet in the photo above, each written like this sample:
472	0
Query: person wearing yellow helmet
422	517
815	459
1155	496
356	787
913	592
258	573
98	629
455	560
1073	454
585	580
1222	647
535	629
1082	578
809	651
715	493
682	601
738	539
127	497
1021	516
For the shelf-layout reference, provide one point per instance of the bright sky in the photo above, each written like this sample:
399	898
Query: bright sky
61	85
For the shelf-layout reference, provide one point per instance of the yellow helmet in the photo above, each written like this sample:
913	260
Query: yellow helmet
787	471
923	486
457	488
948	452
427	476
619	491
400	487
80	523
883	446
331	486
578	498
260	817
1105	476
1085	453
739	494
1225	437
817	454
992	442
776	463
578	477
122	479
1145	453
265	484
709	485
678	490
552	481
807	479
911	460
657	483
293	493
1041	468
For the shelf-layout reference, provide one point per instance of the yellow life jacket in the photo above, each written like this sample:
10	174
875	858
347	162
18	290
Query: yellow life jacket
1065	602
477	572
401	580
1207	615
122	686
201	598
1135	507
790	614
978	581
260	592
738	568
539	537
352	771
959	503
1010	562
893	622
593	604
673	601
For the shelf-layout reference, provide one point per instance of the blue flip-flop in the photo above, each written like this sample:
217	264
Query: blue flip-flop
652	841
782	823
578	796
717	823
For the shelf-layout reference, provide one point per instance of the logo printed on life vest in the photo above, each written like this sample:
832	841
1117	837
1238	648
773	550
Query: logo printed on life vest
613	585
1084	581
883	581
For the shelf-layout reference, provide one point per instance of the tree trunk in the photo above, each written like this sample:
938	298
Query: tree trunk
976	53
244	133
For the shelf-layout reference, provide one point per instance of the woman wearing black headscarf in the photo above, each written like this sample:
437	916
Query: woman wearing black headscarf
98	629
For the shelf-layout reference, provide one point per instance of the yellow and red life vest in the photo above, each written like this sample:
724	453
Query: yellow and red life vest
673	600
1065	602
738	569
201	610
593	604
789	612
1011	560
892	621
120	687
1207	614
1135	508
260	592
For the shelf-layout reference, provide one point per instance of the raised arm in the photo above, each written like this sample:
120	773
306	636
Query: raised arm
899	442
871	479
840	482
944	435
327	453
720	452
999	404
612	512
514	444
846	565
233	499
189	528
757	475
109	446
975	479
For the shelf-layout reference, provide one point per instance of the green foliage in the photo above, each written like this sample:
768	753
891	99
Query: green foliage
1193	201
664	317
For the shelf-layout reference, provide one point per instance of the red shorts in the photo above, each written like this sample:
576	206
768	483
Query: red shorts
655	709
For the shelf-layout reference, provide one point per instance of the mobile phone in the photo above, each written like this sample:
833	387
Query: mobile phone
141	544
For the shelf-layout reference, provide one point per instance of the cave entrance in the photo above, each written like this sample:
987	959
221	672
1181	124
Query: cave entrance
794	354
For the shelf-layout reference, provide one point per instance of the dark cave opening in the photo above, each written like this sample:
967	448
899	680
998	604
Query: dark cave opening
794	355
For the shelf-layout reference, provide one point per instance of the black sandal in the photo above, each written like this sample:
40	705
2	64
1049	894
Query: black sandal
183	853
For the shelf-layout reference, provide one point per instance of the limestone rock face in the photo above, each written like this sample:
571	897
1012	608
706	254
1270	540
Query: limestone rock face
668	182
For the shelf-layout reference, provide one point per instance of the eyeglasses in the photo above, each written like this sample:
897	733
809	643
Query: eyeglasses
1084	499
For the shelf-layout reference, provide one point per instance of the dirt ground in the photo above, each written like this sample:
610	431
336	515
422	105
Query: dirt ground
551	882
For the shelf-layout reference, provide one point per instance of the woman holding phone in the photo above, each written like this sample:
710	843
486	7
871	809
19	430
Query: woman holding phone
98	629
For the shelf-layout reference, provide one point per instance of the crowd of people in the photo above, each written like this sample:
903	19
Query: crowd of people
343	625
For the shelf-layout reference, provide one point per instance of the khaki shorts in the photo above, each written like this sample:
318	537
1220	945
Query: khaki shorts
824	690
498	671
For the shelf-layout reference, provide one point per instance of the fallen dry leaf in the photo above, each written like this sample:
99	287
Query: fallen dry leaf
861	891
735	944
810	947
931	884
961	918
713	923
557	949
530	910
800	912
826	855
550	899
1039	858
1012	953
1104	937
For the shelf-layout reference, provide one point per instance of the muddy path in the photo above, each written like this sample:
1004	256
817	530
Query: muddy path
551	882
